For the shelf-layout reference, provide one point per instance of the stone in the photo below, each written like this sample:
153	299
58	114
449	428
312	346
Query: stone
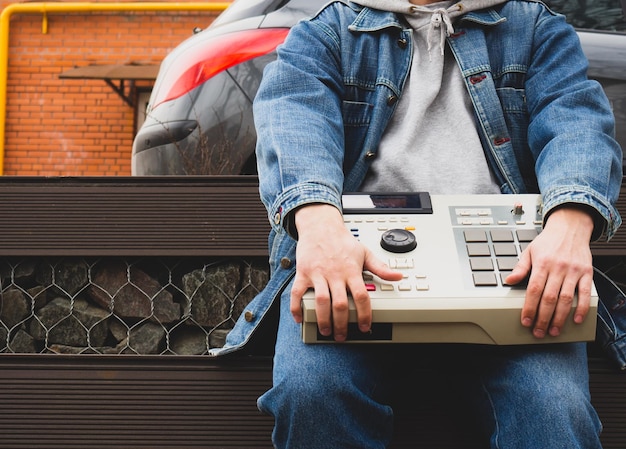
22	342
119	329
187	340
144	297
67	276
146	338
4	334
217	339
210	292
73	324
24	272
14	307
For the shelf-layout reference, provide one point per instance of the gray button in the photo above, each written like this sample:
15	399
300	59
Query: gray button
481	264
526	235
505	249
506	263
485	279
501	235
478	249
475	235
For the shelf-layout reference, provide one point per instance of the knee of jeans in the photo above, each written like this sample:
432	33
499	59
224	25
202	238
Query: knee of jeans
310	381
299	383
300	396
563	395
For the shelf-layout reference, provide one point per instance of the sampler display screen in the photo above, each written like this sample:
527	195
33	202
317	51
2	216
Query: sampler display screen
387	203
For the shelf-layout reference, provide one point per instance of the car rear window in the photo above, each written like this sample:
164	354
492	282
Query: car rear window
607	15
243	9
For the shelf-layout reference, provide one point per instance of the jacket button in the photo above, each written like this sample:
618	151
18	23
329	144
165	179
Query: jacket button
392	99
370	155
277	219
249	316
285	262
402	43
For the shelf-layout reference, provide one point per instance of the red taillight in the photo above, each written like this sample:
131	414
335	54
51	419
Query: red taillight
223	52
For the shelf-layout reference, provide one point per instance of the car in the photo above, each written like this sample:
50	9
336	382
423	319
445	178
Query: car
199	117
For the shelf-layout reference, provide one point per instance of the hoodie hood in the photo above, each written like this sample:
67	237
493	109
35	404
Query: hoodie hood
442	14
406	7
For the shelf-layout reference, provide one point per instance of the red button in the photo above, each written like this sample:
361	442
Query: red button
370	287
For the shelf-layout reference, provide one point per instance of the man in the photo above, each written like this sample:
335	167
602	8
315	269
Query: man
475	96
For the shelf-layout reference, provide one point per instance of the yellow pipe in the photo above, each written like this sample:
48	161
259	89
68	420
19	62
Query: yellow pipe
62	7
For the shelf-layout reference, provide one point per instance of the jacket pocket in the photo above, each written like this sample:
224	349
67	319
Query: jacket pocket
356	118
356	113
515	111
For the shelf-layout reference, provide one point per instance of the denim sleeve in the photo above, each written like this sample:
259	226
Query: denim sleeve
297	111
571	129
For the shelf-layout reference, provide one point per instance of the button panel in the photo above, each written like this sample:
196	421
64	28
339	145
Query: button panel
414	280
489	242
492	250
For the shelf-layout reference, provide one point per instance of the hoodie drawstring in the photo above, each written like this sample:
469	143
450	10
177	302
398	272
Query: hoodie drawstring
440	17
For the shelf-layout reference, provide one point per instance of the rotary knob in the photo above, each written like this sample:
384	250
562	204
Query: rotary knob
398	241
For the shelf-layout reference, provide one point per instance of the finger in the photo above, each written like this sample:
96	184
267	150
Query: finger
534	291
340	313
298	289
374	265
584	298
547	306
362	304
521	270
563	307
322	303
323	312
565	300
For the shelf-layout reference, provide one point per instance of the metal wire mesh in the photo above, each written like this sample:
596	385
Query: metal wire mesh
160	306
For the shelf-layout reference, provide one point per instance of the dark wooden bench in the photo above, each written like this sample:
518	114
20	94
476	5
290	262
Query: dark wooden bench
123	402
100	401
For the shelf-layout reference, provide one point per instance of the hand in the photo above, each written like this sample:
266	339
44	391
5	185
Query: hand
331	260
559	263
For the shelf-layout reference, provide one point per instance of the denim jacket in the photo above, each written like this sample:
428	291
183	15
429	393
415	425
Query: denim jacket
324	104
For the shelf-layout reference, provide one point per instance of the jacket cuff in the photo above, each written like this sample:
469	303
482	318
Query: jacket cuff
282	212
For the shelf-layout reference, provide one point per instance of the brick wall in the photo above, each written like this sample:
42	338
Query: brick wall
68	127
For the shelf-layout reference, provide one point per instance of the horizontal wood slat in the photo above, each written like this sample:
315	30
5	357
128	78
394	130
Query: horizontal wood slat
171	216
132	402
141	402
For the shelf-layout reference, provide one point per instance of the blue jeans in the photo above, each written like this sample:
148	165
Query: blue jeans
336	396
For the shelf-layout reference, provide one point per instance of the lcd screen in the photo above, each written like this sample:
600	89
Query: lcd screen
386	203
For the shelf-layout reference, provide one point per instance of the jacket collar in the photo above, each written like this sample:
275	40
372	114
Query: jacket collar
369	20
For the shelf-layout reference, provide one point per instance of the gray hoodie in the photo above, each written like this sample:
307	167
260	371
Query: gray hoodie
431	143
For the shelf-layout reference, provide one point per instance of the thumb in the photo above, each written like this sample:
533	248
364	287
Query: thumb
375	266
521	270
